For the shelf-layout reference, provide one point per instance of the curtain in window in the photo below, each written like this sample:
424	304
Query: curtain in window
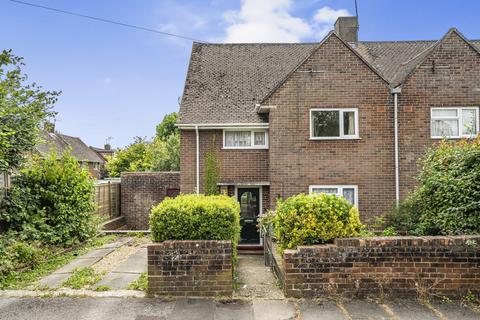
469	117
325	190
259	138
349	194
444	128
349	123
237	139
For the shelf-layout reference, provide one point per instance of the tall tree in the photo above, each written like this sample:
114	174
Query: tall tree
166	128
24	108
130	159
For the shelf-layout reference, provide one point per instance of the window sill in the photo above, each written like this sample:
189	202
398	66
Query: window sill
244	148
454	138
333	138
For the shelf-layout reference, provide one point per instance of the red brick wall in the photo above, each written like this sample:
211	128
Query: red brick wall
451	83
140	191
398	265
342	80
190	268
236	166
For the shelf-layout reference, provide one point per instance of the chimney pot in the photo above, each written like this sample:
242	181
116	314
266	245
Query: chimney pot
347	29
107	146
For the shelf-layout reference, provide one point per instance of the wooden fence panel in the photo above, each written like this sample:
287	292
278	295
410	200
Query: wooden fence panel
107	197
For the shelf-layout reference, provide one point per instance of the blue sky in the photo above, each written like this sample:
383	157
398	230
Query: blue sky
120	82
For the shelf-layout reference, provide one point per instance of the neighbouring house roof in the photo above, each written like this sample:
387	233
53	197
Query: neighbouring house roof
225	81
61	142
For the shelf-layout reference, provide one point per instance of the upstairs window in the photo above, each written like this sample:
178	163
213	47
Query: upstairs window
245	139
454	122
333	124
348	192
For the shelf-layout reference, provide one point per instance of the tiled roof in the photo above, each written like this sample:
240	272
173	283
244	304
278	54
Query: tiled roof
225	81
61	142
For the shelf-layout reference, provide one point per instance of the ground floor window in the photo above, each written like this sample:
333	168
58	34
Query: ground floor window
348	192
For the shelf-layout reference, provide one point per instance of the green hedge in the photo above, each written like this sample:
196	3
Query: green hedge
314	219
447	200
196	217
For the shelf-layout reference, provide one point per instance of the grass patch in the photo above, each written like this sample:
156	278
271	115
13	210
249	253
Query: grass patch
54	259
102	288
140	284
82	277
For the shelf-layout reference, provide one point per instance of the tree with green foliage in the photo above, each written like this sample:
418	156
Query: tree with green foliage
212	172
447	200
23	109
164	155
160	154
130	159
51	201
167	127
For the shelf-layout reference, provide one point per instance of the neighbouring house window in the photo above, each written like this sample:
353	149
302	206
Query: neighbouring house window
96	166
348	192
333	124
247	139
454	122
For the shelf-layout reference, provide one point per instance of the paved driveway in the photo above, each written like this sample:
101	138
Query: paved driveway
156	309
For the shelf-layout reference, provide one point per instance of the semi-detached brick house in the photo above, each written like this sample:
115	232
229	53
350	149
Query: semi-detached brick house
340	116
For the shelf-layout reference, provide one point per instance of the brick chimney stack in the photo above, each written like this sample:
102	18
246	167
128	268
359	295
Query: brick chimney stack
347	29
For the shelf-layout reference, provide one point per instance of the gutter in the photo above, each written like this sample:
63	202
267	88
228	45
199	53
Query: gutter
396	91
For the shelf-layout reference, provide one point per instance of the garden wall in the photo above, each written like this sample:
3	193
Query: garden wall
140	191
192	268
400	265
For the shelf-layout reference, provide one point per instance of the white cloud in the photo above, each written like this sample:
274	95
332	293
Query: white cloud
324	19
272	21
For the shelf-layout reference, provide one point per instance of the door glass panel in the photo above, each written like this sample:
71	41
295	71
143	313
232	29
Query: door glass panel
248	205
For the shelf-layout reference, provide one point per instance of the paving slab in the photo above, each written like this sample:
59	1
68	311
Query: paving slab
97	253
117	243
193	309
54	280
118	281
257	280
325	310
411	310
135	263
273	310
362	309
456	311
241	310
77	263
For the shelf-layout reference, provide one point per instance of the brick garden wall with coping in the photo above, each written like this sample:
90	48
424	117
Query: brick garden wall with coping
190	268
440	265
141	191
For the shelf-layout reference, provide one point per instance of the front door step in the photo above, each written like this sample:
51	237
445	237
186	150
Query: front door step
255	250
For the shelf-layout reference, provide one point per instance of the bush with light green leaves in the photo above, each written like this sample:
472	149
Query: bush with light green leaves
314	219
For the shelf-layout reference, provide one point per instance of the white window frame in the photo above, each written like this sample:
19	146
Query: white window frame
339	187
342	136
252	138
459	118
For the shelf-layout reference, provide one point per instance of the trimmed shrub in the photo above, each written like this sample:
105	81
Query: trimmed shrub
314	219
51	202
447	200
196	217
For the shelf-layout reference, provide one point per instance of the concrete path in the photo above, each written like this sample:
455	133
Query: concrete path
255	279
127	272
208	309
56	278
